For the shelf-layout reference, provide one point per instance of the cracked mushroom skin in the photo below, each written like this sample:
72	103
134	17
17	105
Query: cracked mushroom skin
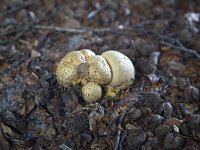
66	71
87	53
91	92
112	70
98	70
123	71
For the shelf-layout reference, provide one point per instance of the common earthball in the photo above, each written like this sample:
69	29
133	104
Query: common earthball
91	92
123	71
66	71
112	71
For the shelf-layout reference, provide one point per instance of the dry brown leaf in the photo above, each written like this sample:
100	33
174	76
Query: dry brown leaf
174	121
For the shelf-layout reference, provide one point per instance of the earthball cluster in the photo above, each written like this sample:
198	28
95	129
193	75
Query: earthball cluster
111	71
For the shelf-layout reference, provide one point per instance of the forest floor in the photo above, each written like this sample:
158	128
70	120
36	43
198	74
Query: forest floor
160	110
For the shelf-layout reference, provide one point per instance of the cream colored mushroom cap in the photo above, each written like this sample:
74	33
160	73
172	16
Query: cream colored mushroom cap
66	71
91	92
123	71
98	70
87	53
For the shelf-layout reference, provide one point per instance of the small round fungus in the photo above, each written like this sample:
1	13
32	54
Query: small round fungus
66	71
99	70
87	53
123	71
91	92
112	70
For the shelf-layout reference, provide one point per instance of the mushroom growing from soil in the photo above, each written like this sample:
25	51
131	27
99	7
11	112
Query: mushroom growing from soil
99	71
91	92
87	53
112	71
66	70
123	71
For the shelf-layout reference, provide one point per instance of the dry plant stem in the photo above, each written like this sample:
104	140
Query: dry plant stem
121	118
97	10
127	31
71	30
181	47
118	135
121	141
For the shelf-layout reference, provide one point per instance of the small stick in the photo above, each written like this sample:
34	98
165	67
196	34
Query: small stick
121	118
117	139
72	30
181	47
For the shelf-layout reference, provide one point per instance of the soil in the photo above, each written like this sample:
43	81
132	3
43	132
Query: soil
160	110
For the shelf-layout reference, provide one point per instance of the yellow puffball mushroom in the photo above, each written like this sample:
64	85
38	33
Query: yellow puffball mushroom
87	53
98	70
123	71
112	70
66	71
91	92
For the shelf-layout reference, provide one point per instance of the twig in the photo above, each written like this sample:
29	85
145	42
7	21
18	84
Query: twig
59	29
181	47
118	135
97	10
72	30
122	140
20	31
121	118
131	31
